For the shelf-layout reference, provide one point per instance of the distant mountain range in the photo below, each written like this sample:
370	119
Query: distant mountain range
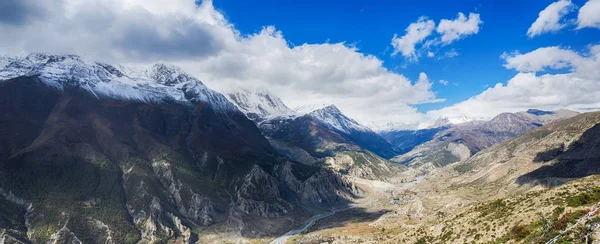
549	155
326	115
452	143
270	114
313	132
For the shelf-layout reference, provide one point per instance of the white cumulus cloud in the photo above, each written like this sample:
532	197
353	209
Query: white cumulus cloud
578	88
589	15
452	30
446	32
415	33
549	19
542	58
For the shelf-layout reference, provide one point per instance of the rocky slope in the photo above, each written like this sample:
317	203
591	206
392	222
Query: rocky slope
566	214
459	142
103	154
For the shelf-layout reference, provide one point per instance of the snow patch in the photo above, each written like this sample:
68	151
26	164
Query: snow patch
392	126
443	121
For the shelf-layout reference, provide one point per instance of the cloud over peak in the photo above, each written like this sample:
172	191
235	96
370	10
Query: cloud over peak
195	36
198	38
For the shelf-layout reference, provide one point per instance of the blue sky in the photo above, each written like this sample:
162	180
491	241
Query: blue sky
370	25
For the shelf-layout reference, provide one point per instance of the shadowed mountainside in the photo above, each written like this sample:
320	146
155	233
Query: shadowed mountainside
98	169
580	159
537	156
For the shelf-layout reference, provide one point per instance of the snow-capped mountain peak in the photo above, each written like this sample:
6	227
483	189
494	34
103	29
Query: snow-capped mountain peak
460	119
439	122
443	121
170	75
259	105
305	109
330	116
5	61
159	83
329	108
392	126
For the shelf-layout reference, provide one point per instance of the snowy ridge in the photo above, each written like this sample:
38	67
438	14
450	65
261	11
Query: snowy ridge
392	126
5	61
308	108
259	105
330	116
443	121
159	83
460	120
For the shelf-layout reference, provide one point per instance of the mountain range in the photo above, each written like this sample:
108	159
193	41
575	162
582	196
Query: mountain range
534	182
442	143
448	144
321	135
98	153
539	187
